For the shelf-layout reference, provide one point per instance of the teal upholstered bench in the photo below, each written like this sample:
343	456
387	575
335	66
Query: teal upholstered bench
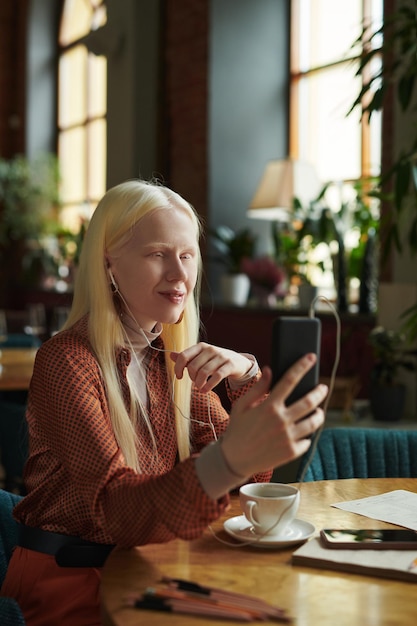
361	453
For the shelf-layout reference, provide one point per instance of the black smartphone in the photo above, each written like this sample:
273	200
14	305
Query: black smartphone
292	338
387	539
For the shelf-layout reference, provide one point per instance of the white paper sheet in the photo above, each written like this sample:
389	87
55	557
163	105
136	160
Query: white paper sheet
396	507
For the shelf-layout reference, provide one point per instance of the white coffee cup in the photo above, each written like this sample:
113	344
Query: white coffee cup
269	507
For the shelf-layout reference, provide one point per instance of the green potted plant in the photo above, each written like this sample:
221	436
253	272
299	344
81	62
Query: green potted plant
389	65
29	200
389	62
64	254
294	241
231	248
391	355
292	248
316	223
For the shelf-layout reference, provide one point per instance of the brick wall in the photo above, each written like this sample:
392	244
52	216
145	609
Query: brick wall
13	16
185	58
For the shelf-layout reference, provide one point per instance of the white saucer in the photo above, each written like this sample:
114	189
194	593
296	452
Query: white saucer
241	529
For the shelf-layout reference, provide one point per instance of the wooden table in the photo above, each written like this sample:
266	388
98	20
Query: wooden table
16	367
314	597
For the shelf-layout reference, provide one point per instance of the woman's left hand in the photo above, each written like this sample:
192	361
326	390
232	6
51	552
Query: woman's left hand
207	365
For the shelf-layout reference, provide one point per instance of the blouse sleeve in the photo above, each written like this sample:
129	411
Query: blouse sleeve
78	481
212	420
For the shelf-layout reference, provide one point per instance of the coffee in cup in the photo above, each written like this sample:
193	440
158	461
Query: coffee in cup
269	507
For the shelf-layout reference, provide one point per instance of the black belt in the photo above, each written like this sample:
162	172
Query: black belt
68	551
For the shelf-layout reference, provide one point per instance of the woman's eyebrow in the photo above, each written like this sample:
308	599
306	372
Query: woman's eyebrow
162	244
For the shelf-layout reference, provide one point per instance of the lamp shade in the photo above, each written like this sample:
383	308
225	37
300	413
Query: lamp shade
281	182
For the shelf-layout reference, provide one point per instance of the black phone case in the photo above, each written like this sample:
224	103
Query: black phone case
292	338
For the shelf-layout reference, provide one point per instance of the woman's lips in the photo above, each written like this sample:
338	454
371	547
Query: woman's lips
176	297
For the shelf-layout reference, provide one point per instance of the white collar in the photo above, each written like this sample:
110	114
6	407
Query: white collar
137	337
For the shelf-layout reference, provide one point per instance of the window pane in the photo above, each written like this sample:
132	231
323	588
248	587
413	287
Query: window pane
96	159
327	137
375	144
327	30
79	17
73	215
97	85
321	99
72	101
72	154
76	21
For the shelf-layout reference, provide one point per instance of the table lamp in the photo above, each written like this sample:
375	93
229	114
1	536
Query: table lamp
281	182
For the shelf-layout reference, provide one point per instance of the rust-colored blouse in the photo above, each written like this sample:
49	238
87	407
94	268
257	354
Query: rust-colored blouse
76	477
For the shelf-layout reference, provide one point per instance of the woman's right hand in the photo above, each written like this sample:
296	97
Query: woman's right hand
263	432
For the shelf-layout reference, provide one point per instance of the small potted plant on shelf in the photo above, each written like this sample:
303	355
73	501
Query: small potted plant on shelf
29	200
294	245
387	393
268	280
231	248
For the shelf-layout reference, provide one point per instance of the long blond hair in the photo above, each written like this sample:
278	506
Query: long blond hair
121	208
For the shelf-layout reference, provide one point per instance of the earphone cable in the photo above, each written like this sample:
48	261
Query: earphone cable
152	347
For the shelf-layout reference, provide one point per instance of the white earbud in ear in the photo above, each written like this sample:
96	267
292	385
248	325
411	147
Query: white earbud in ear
113	281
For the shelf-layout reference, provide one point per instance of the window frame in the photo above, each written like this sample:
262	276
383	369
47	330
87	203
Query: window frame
75	211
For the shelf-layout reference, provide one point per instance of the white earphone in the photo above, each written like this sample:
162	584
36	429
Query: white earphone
113	281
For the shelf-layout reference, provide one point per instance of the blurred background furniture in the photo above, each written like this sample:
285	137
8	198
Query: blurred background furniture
10	613
361	453
16	365
16	372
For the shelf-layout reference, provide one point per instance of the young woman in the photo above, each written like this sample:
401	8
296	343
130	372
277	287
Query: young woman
129	444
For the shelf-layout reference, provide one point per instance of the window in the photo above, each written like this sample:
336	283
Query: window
323	86
82	88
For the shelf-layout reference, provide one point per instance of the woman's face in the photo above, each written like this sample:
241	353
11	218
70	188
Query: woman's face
156	270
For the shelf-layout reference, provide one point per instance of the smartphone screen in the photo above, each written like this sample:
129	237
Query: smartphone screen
394	539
